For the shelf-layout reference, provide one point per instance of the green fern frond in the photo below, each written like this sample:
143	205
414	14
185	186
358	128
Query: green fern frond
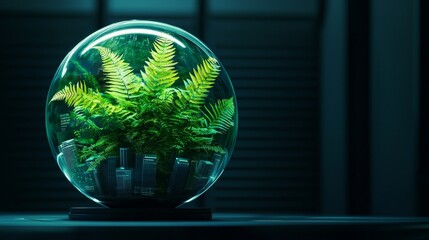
87	127
81	119
210	148
77	95
71	93
197	88
83	98
199	131
106	145
202	140
120	79
97	159
87	76
159	72
79	111
220	115
164	100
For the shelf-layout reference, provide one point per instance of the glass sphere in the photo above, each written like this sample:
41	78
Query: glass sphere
141	114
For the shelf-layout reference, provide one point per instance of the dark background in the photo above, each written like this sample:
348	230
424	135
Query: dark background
332	98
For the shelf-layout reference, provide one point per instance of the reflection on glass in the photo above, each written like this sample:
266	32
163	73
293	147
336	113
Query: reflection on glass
141	113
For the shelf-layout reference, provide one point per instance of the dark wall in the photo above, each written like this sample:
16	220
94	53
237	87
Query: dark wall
35	39
394	106
370	107
423	176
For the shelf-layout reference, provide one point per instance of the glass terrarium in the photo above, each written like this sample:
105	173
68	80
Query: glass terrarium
141	114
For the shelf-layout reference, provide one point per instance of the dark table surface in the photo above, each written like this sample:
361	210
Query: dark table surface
223	226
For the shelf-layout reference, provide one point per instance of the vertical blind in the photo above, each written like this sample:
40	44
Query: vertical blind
273	62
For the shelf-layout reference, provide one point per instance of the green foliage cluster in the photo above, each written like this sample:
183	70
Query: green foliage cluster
146	110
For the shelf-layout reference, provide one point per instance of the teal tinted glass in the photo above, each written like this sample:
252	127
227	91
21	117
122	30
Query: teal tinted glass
141	114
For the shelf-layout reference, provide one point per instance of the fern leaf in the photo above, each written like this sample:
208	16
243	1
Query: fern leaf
197	88
87	76
70	93
220	115
120	79
87	127
159	72
210	148
77	95
202	131
83	98
202	141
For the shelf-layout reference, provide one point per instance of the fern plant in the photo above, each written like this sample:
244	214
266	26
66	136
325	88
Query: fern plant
147	110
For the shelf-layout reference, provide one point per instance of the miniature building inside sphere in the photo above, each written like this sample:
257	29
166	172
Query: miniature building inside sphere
141	114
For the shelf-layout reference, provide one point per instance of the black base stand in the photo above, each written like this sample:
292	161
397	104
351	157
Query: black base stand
139	214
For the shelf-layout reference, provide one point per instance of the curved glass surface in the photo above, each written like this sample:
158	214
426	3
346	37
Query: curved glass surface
141	114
